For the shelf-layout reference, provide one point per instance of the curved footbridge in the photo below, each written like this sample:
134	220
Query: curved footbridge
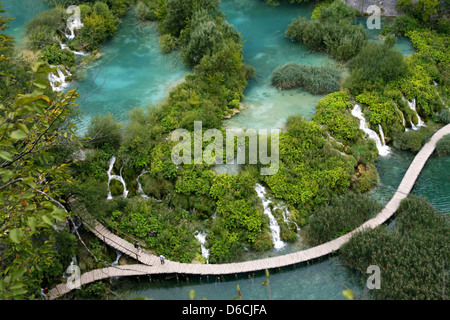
150	264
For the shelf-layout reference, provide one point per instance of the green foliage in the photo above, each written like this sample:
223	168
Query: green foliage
380	110
334	111
445	116
333	32
15	73
104	132
56	56
316	14
311	170
168	43
175	231
413	258
413	140
317	80
145	10
374	66
443	146
238	205
99	24
421	9
175	15
32	184
42	30
401	26
342	215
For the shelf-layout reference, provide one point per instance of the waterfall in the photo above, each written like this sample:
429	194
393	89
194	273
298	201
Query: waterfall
383	150
116	262
274	227
380	128
75	23
420	123
115	177
287	218
58	82
140	191
73	262
201	236
78	53
404	121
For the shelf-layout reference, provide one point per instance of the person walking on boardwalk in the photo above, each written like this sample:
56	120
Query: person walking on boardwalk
162	258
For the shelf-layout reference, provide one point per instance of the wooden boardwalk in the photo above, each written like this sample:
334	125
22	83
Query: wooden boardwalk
150	264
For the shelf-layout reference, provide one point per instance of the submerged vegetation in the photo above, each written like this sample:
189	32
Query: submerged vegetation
325	164
317	80
414	256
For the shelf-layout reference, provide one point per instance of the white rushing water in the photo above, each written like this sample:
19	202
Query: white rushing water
118	255
74	23
115	177
420	123
201	236
78	53
140	191
274	227
58	82
383	149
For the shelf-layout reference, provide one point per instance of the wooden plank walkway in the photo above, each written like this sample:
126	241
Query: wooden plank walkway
151	263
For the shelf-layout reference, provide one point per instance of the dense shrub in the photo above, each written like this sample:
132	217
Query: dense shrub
342	215
413	140
56	56
99	24
443	146
401	26
175	15
423	10
311	170
413	258
333	32
317	80
105	132
374	66
334	111
168	43
42	30
445	116
145	10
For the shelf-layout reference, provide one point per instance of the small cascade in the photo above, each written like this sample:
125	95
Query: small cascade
404	122
383	150
116	262
73	24
287	219
201	237
420	123
274	227
380	128
58	82
78	53
115	177
73	262
140	191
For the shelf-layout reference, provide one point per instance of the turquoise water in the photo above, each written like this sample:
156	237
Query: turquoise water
23	11
134	73
131	73
323	280
266	48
